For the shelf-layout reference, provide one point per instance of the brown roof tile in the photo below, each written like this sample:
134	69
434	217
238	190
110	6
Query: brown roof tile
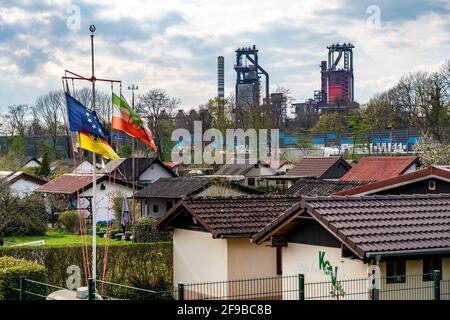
234	216
378	224
386	223
314	166
311	186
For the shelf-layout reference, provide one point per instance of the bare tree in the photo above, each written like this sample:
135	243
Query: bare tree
103	106
51	110
17	118
157	106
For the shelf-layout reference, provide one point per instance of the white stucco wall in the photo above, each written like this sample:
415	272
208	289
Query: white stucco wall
23	187
153	173
301	258
105	197
197	257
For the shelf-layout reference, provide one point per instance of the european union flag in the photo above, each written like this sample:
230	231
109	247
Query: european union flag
83	120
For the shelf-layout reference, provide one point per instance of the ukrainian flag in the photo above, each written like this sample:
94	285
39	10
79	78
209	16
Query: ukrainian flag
93	143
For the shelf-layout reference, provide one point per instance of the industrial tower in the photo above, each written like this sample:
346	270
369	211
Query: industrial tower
220	77
337	82
248	77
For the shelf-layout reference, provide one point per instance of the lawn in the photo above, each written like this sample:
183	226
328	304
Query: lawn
60	238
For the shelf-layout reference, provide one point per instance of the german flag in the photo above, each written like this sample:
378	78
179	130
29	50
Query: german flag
93	143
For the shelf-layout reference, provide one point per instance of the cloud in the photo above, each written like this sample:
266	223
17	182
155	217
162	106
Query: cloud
173	44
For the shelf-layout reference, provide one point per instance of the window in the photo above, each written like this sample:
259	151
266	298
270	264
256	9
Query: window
395	271
431	185
169	205
429	265
279	261
251	181
155	208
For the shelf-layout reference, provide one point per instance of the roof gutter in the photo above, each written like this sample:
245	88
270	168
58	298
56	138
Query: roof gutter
406	252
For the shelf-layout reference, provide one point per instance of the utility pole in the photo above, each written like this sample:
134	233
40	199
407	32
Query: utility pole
133	88
94	175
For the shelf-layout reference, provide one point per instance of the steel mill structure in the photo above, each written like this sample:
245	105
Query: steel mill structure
248	77
337	81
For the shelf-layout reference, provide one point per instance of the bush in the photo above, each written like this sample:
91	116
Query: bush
143	231
70	220
147	266
11	269
25	216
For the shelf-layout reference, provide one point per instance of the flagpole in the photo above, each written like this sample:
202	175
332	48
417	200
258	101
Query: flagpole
94	174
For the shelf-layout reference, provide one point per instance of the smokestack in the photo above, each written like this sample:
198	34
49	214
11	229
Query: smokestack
220	77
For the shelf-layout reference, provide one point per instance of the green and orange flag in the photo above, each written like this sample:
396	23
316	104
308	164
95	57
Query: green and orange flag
124	118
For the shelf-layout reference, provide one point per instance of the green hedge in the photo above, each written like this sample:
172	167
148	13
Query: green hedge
146	265
11	269
143	231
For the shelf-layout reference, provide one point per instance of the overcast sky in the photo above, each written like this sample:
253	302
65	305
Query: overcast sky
173	44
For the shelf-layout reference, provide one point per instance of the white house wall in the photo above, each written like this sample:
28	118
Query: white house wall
23	187
105	197
153	173
197	257
304	259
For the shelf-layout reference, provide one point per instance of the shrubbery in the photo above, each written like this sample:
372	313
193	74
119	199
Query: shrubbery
147	266
11	269
70	221
143	231
25	216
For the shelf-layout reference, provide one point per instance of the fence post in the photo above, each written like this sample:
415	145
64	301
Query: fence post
437	284
23	288
180	291
301	286
91	289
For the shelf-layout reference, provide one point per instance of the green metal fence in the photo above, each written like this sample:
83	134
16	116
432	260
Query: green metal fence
294	287
297	287
34	290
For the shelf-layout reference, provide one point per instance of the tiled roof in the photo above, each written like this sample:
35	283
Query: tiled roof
173	187
378	168
182	187
236	169
231	217
71	183
371	225
385	184
9	177
314	166
310	186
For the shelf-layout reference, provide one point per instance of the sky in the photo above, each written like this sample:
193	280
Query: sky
174	44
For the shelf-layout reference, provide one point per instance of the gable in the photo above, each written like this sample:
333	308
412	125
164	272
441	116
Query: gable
215	190
153	173
419	187
337	170
309	231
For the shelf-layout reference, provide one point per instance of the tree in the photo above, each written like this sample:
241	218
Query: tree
431	151
17	118
331	122
157	106
51	110
44	169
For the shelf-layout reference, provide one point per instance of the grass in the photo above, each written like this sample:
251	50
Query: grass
61	238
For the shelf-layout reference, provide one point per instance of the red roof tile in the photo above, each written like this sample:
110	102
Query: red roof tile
378	168
71	183
396	181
